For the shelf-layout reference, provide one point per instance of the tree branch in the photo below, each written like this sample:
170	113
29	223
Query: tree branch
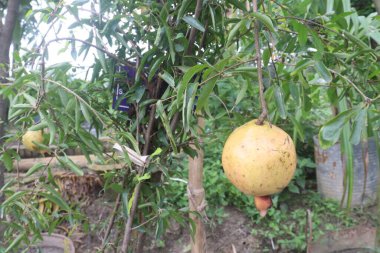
264	108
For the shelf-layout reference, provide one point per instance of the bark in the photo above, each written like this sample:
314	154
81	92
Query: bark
6	35
377	6
196	194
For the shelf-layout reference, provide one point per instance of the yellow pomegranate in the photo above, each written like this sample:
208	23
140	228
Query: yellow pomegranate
259	160
30	138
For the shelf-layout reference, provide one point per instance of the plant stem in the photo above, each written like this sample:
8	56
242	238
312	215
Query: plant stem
110	224
264	108
128	225
147	138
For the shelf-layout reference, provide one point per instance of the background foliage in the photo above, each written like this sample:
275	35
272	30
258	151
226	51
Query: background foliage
317	55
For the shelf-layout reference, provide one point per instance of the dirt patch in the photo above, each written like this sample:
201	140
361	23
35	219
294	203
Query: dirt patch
233	233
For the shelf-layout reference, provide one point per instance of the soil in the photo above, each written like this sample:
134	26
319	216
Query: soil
233	234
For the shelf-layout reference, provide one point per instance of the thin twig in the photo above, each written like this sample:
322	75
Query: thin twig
146	222
264	108
110	224
128	225
365	98
225	70
136	194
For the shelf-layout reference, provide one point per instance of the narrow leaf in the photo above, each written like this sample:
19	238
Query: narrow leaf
167	78
186	79
205	93
359	124
194	23
165	122
36	167
155	66
279	97
323	71
265	20
330	132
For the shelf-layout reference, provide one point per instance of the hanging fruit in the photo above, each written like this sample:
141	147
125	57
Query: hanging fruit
30	138
259	160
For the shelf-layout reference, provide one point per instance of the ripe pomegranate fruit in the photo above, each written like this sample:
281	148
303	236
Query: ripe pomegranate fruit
259	160
31	137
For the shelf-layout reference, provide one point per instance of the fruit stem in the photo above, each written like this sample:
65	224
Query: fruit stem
264	108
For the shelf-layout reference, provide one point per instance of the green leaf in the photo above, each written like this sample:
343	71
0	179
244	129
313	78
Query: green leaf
347	151
355	40
212	13
36	167
125	201
130	202
6	185
317	43
293	188
302	32
234	31
279	97
182	9
167	78
242	93
238	4
15	242
330	132
43	124
194	23
205	92
159	34
53	196
142	63
155	66
67	162
359	124
22	106
186	79
157	152
165	122
13	198
301	65
188	105
146	176
29	98
323	71
170	38
85	112
101	56
298	127
7	160
77	116
265	20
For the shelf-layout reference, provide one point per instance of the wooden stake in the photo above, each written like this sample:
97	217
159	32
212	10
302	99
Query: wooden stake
196	194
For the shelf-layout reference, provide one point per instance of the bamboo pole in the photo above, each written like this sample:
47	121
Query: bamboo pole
196	194
79	160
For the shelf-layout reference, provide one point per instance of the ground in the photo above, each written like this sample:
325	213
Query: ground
234	234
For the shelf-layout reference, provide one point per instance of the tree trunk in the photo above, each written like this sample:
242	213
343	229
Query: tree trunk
196	194
6	34
377	6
